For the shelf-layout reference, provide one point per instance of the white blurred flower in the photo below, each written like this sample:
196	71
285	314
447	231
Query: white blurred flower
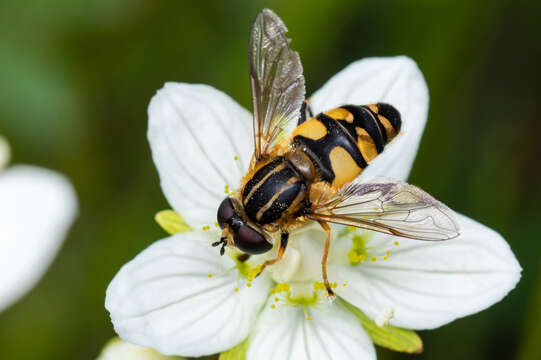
37	207
118	349
180	297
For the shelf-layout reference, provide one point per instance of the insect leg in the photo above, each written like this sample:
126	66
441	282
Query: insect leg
281	250
327	229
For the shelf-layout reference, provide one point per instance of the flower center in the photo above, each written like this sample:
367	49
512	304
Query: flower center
304	294
363	247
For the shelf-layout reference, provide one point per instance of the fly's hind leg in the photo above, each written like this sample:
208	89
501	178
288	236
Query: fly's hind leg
327	229
281	250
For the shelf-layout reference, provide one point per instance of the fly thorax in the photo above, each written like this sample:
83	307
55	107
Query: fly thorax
275	190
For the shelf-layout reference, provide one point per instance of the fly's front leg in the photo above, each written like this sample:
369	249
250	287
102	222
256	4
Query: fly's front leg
281	250
327	229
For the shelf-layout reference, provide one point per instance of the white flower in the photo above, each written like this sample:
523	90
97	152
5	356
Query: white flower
37	207
180	297
117	349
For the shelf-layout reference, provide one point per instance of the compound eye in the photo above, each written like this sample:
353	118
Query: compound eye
250	241
226	211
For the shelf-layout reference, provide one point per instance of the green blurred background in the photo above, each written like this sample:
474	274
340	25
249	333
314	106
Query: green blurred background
76	78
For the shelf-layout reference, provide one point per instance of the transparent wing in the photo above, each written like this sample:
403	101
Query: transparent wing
394	208
276	79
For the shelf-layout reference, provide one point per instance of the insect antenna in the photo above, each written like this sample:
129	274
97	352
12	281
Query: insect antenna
223	242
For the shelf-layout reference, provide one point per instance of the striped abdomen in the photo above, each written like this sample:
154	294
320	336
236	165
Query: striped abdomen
341	142
274	190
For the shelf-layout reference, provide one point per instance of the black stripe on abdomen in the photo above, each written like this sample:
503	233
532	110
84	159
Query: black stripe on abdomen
365	119
318	150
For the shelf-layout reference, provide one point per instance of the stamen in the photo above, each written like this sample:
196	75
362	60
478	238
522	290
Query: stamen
306	313
236	157
223	272
360	251
226	189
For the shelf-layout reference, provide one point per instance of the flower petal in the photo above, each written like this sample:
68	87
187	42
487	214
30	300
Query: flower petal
394	80
196	132
429	284
165	299
118	349
285	333
4	152
37	207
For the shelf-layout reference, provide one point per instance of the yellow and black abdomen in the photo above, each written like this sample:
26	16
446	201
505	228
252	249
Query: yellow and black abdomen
341	142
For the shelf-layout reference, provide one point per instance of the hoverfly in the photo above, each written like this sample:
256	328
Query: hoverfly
307	175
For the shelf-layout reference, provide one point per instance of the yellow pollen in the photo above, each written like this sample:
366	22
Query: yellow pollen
249	284
373	259
318	285
216	224
233	193
351	228
308	318
273	306
210	275
280	287
396	243
236	157
226	189
276	299
385	258
344	284
388	252
254	272
236	289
